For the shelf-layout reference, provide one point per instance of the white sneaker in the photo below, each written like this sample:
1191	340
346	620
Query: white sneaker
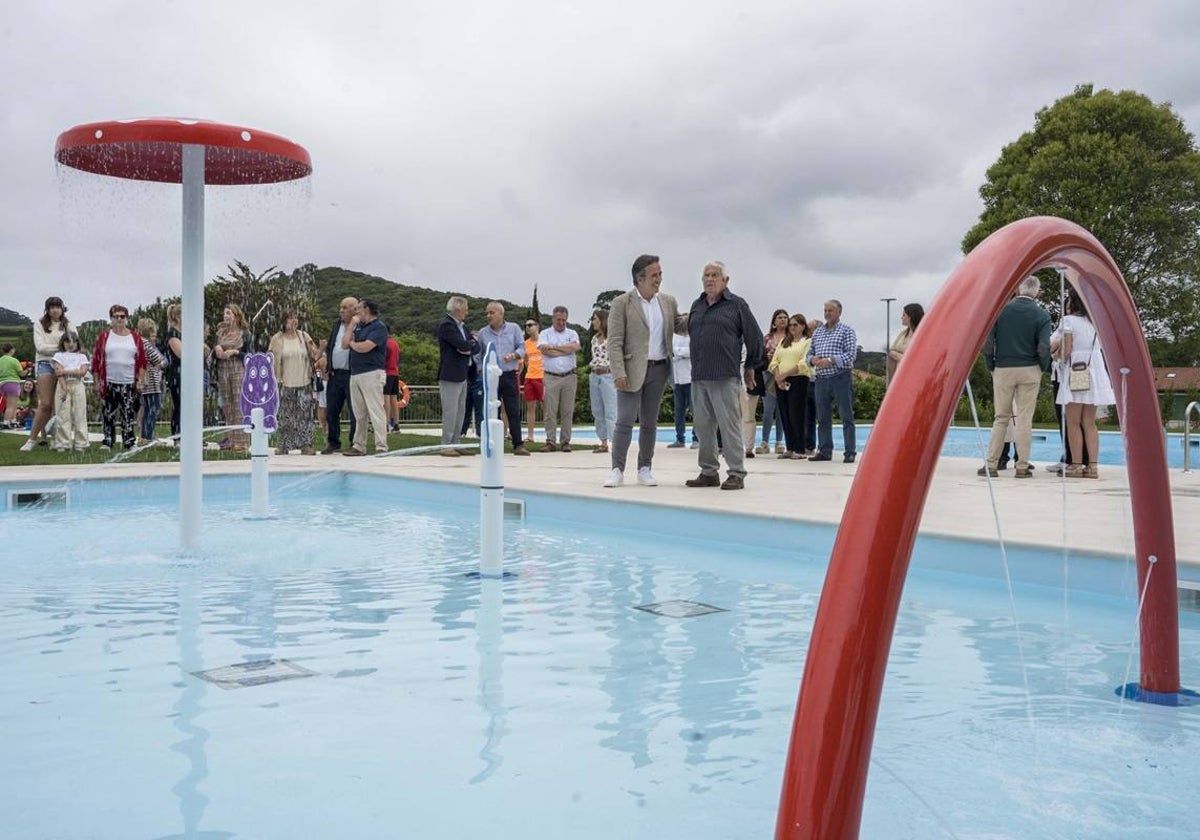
27	446
646	477
615	478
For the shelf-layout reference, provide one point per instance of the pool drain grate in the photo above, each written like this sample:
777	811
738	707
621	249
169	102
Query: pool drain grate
680	609
261	672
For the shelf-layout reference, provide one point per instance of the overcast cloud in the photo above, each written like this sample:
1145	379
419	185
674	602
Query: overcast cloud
819	149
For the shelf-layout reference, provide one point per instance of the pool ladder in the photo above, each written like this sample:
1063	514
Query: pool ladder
1187	434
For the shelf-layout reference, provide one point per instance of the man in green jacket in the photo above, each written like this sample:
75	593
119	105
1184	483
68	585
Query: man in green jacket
1017	352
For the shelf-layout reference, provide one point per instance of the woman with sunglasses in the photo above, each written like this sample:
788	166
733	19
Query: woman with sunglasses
118	365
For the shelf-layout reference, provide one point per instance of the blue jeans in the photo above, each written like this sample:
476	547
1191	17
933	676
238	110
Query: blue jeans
151	406
603	395
772	416
683	401
838	387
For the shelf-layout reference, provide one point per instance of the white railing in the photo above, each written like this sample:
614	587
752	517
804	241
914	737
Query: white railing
1187	434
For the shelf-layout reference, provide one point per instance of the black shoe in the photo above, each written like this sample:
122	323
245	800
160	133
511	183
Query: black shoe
985	471
848	458
821	456
733	482
1003	465
330	449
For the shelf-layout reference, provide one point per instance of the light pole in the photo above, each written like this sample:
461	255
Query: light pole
887	345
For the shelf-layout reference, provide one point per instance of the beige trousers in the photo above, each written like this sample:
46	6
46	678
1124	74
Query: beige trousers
1015	391
366	401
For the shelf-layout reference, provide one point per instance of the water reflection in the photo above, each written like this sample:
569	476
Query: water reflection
188	709
490	635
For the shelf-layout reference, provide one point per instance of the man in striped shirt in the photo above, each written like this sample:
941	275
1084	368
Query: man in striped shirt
834	348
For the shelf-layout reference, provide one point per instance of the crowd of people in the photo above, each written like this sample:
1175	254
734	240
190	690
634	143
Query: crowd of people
717	359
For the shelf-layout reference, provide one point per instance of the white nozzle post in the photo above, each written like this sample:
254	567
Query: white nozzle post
192	363
491	473
259	455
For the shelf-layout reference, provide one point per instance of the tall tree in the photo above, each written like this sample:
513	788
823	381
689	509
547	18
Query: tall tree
1128	171
535	311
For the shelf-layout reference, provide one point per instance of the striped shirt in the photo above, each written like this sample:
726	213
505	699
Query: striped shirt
718	333
839	344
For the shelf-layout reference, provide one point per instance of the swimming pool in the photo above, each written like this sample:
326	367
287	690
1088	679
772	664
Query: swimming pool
547	705
964	442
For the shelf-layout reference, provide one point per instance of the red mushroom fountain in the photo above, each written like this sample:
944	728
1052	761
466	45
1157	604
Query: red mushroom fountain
192	153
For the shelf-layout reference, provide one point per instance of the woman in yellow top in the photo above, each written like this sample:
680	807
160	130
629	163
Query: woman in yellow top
534	390
791	375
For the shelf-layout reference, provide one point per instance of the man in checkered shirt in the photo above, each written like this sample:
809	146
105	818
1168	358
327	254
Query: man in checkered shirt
834	348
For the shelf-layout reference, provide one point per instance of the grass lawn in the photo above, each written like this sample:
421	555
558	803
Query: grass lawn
11	456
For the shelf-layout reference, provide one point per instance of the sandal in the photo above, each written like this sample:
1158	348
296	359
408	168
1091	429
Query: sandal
1074	471
601	448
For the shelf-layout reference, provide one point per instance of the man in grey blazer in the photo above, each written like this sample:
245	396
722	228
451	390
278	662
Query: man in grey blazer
640	325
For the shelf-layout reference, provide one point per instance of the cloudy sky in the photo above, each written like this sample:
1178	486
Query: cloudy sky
820	149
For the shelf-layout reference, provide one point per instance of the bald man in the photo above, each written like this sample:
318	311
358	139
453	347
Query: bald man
337	387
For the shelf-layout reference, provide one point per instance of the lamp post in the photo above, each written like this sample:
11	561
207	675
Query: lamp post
887	347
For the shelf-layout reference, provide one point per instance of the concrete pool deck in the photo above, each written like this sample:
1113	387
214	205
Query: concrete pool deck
1097	512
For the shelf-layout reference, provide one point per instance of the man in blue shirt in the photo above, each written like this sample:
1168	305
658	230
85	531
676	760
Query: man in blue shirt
510	349
367	343
832	354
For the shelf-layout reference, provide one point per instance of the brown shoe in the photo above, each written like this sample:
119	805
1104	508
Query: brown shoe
281	451
549	446
704	480
449	453
1023	473
733	482
520	450
465	451
600	449
566	447
329	450
307	450
354	453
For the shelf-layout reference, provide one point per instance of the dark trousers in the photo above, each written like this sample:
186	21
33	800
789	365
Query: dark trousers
176	412
793	411
839	387
810	418
510	398
474	412
337	397
683	401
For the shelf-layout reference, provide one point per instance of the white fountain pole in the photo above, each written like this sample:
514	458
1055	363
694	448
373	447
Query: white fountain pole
192	371
259	456
491	473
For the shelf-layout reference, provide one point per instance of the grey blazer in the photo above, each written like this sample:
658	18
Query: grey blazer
629	335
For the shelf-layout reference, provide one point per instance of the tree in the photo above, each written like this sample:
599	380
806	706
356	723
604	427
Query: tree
269	295
535	311
1128	171
604	299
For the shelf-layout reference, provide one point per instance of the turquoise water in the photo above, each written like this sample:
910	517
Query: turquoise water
545	705
962	442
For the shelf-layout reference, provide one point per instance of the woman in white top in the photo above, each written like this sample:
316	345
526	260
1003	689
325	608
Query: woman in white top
47	333
118	365
1076	345
70	397
292	353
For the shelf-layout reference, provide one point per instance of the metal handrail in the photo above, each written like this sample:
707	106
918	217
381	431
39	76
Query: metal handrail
1187	434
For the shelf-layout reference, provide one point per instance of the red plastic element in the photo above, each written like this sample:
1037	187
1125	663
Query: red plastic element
830	750
152	150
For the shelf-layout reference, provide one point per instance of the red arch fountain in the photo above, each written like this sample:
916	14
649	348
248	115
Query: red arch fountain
826	771
192	153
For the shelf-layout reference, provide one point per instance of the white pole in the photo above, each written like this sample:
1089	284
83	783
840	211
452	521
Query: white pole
260	454
491	473
192	368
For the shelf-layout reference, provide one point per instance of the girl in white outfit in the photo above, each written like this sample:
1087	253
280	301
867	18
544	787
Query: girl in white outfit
1075	342
70	396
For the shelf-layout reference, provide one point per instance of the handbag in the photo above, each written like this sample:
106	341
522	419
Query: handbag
1080	377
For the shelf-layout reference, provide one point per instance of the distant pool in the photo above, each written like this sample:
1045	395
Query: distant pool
963	442
548	705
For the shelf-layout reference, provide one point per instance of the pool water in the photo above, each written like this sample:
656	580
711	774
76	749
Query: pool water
546	705
963	442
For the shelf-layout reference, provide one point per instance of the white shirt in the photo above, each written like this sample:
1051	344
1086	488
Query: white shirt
120	359
554	338
71	361
341	355
681	359
657	348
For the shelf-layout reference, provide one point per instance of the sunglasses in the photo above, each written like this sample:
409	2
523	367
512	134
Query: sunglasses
531	324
